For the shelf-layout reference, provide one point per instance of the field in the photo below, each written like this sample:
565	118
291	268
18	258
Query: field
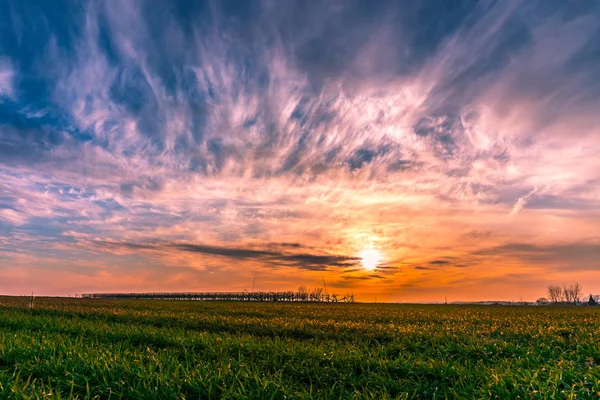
66	348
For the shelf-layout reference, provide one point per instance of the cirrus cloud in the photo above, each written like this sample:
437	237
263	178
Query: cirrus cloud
334	125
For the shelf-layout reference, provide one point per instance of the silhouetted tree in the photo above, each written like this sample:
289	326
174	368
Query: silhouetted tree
576	292
349	298
567	293
542	300
572	293
555	293
316	294
302	293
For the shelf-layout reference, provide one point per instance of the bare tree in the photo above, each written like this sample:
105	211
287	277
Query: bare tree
316	294
302	293
572	293
555	293
568	293
577	293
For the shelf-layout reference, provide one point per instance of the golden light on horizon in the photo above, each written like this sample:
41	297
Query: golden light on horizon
370	258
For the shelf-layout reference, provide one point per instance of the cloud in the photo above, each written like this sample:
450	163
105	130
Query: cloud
575	256
303	261
363	277
12	216
422	268
521	202
419	127
7	74
438	262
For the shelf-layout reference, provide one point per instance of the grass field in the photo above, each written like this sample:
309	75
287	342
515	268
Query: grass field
67	348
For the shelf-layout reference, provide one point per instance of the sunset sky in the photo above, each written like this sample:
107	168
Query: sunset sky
191	146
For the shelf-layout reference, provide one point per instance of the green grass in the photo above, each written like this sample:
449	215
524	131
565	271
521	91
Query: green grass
76	348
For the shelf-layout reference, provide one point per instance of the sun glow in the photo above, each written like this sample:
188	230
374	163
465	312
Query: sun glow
370	258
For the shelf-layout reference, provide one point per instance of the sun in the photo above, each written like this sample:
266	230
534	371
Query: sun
370	258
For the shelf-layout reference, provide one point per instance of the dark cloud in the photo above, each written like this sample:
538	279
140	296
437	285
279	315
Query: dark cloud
554	202
420	267
293	245
363	277
570	256
455	262
223	251
439	262
306	261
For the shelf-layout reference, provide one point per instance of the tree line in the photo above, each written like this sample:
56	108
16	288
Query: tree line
569	294
317	295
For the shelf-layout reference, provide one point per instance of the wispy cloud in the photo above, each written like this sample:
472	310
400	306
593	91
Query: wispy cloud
434	132
521	202
6	79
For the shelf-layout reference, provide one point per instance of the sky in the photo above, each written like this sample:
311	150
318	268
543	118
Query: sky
216	145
